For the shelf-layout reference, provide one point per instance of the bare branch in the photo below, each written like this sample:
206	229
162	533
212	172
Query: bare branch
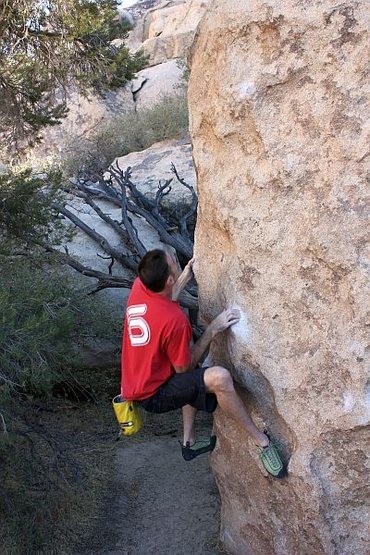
138	197
175	240
163	190
143	206
119	189
183	221
121	179
113	223
116	281
5	431
188	301
123	259
111	262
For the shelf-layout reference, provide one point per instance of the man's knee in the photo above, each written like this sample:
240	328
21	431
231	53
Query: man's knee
217	379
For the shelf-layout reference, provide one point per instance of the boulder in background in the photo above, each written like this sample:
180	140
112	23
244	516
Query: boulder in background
167	30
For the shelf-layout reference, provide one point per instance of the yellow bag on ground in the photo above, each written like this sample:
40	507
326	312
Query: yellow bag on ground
128	415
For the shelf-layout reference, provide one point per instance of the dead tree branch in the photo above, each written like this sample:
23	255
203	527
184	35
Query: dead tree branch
193	208
109	281
123	259
5	430
117	188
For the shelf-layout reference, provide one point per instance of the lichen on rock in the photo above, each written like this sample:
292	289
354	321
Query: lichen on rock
280	145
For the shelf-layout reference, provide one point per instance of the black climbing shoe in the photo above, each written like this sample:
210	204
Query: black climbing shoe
271	461
204	445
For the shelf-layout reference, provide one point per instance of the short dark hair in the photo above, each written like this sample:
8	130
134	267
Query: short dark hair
154	270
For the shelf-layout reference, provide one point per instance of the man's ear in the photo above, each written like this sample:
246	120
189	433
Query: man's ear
170	280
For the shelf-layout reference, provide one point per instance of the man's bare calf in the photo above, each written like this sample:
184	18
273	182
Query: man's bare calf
219	381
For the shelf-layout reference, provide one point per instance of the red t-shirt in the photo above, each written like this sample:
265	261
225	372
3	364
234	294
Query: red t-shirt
156	338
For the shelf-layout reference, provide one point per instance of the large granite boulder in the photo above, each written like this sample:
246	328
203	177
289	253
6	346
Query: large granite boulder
155	82
280	150
152	167
85	115
167	30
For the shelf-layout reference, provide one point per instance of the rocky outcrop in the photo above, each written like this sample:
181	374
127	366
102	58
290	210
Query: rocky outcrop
140	8
152	167
167	30
85	115
152	83
89	114
178	20
280	147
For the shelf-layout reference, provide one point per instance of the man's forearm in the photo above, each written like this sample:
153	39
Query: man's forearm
182	280
200	347
179	286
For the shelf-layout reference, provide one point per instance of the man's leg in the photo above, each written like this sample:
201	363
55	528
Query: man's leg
218	380
191	447
188	415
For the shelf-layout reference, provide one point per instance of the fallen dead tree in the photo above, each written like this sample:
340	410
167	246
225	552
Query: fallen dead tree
175	227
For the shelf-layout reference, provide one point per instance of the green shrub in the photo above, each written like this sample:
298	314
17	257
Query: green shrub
27	209
45	485
129	132
183	65
47	45
43	315
48	485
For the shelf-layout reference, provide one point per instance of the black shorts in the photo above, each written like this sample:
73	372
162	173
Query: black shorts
185	388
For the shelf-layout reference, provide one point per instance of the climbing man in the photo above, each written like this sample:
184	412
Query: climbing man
160	367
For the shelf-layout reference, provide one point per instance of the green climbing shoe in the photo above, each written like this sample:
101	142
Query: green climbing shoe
271	461
202	445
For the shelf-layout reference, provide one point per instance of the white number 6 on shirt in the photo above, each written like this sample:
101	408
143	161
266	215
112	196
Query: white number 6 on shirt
136	322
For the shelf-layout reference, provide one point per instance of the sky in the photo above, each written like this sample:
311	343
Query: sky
127	3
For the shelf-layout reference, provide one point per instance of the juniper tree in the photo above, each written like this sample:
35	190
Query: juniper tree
48	45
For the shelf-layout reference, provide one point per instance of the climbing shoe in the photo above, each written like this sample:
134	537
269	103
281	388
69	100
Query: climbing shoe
271	460
204	445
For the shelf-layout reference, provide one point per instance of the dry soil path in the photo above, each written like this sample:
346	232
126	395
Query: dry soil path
162	505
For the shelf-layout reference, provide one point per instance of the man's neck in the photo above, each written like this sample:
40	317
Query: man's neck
166	293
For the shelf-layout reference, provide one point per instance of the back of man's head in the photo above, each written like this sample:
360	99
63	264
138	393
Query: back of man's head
154	270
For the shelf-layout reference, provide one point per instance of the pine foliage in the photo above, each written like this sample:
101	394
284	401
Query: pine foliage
49	45
28	213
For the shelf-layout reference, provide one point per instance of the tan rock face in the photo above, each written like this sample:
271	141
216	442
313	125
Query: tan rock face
84	117
167	30
278	120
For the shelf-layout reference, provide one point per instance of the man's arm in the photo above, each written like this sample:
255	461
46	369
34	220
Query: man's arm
223	321
183	280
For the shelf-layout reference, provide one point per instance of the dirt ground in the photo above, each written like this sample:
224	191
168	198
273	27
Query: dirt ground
73	489
159	504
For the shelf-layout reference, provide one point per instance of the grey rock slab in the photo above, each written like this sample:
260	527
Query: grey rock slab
152	83
153	166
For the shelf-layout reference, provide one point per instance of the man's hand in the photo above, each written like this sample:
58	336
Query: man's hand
223	321
187	272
